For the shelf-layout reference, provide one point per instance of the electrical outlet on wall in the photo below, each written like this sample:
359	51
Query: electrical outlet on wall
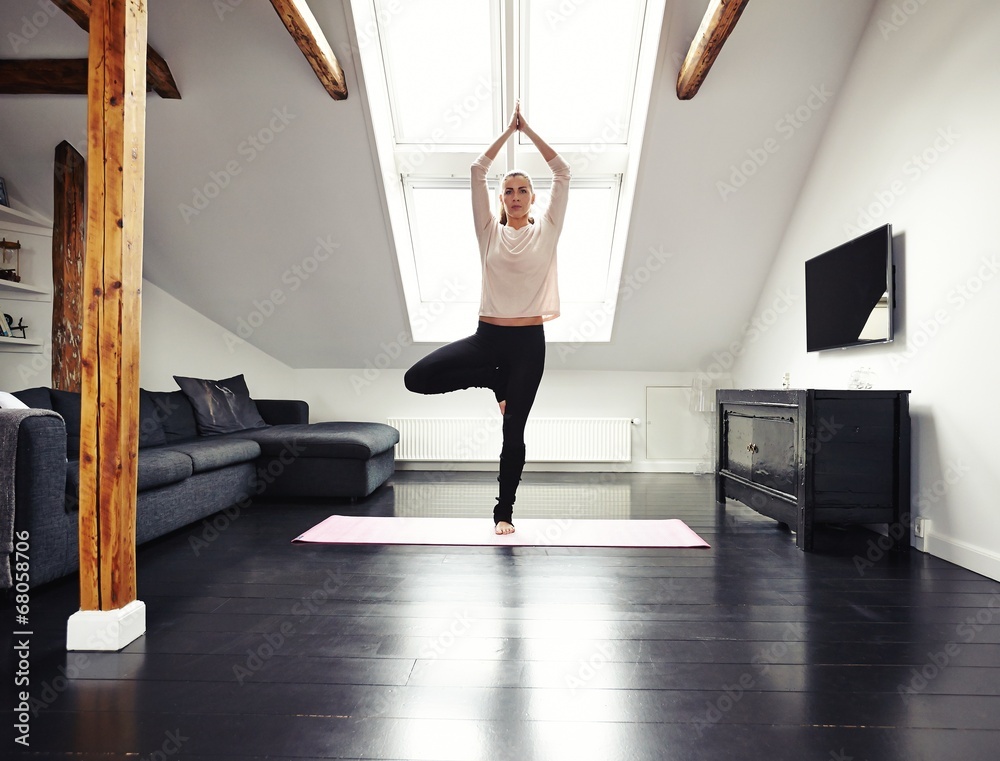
920	527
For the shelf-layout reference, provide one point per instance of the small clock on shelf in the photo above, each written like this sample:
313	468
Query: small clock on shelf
10	254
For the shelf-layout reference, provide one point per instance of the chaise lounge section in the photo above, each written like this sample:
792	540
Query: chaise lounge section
187	470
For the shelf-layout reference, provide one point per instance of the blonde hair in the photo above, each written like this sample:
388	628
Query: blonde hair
514	173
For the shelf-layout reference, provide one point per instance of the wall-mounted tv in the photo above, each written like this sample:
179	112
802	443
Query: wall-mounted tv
849	293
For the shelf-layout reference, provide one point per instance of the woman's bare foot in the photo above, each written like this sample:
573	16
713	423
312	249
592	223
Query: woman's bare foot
503	407
504	528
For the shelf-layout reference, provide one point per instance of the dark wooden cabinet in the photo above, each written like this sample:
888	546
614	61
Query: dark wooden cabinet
806	457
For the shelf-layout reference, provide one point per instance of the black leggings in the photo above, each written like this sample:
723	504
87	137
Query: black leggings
507	359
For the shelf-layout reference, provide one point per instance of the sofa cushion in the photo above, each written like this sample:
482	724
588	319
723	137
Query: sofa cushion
174	412
37	398
355	441
221	406
157	467
215	452
67	404
283	411
151	433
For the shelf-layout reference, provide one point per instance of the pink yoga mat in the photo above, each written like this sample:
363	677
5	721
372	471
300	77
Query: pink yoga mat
478	532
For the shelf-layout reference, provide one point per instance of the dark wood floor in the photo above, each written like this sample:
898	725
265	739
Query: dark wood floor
258	648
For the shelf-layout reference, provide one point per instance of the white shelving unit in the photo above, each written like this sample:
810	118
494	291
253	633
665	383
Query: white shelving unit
31	298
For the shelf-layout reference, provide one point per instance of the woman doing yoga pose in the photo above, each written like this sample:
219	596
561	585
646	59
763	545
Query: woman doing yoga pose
520	292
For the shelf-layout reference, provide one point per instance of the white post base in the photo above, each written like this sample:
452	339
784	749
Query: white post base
106	629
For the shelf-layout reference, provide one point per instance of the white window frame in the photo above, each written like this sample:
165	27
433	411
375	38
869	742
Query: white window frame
445	318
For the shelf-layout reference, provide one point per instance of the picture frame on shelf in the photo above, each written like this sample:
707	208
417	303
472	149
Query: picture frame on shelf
4	200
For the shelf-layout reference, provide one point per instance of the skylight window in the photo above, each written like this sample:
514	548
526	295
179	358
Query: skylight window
441	78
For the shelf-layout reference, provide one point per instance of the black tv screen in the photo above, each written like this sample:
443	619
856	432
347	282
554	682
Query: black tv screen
849	293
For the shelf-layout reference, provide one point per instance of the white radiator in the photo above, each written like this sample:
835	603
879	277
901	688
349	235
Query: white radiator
546	439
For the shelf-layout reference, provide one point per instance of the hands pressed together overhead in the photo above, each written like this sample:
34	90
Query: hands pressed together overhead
518	123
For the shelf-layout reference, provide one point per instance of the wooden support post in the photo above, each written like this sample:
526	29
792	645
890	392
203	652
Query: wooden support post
109	430
157	71
68	241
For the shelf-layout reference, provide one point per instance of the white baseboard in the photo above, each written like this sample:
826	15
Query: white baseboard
977	559
106	629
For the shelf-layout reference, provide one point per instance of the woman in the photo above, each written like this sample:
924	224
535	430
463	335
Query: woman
520	292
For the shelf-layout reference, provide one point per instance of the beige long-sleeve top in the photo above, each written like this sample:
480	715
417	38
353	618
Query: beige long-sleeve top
519	266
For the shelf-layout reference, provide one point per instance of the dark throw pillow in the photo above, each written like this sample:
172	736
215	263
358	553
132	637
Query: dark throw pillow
221	406
151	433
175	413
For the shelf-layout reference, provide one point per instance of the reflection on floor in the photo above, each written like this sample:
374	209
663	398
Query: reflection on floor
426	494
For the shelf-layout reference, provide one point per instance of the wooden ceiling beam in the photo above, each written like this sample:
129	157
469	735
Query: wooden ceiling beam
305	30
51	76
716	26
44	76
159	78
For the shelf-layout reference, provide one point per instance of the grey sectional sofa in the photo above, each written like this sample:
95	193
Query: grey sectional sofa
184	474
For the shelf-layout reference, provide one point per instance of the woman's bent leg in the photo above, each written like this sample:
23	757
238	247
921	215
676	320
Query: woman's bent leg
466	363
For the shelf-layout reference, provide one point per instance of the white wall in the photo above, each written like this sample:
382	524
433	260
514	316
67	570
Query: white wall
176	340
913	141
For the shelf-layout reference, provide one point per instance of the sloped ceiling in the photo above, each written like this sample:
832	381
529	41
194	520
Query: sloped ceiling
263	210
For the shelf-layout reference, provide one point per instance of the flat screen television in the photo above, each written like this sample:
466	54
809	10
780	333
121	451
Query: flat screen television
849	293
